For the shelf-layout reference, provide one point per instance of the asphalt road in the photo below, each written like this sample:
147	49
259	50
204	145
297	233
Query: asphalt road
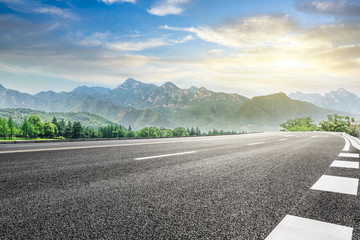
226	187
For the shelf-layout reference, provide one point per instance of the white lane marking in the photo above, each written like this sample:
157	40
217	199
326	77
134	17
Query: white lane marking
337	184
32	145
347	145
349	155
283	139
354	143
345	164
292	227
165	155
121	145
258	143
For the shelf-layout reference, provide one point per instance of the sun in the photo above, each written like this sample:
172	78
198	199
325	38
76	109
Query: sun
288	64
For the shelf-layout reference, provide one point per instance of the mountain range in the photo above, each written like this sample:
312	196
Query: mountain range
140	104
340	100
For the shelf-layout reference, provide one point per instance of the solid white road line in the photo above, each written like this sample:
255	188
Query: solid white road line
258	143
200	139
349	155
345	164
337	184
283	139
292	227
32	145
165	155
347	145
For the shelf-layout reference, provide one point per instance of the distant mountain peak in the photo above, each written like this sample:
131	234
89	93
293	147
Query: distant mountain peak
276	95
2	87
339	100
129	83
170	85
193	89
342	91
85	88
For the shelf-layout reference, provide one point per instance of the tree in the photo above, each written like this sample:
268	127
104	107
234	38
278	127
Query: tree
4	129
299	124
27	129
11	125
61	127
130	133
76	130
37	124
337	123
68	130
180	132
119	132
166	133
50	130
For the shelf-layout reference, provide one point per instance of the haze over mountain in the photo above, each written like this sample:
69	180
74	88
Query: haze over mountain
139	104
340	100
86	119
266	112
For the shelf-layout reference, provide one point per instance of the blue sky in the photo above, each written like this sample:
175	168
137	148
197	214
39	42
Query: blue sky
248	47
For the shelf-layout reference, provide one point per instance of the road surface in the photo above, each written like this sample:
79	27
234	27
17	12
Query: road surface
255	186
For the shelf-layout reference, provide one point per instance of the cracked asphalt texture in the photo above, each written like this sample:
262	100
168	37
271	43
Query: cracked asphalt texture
226	190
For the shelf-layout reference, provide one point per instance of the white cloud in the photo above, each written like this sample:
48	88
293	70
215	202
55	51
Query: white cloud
246	32
168	7
109	2
110	41
331	7
137	46
55	11
37	7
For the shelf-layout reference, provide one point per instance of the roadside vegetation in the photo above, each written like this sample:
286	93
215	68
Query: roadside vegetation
334	123
34	128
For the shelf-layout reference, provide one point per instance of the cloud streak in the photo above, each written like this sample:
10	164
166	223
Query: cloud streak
331	7
39	8
245	32
168	7
107	41
109	2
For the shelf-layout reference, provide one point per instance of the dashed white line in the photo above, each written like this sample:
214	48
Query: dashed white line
337	184
345	164
165	155
349	155
292	227
257	143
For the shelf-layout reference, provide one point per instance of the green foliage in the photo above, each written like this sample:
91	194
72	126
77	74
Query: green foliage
86	119
299	124
11	125
180	132
337	123
76	130
68	130
4	129
50	130
38	125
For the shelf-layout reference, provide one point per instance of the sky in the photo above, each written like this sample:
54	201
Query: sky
248	47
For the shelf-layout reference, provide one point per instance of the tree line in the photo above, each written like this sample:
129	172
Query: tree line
334	123
34	127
